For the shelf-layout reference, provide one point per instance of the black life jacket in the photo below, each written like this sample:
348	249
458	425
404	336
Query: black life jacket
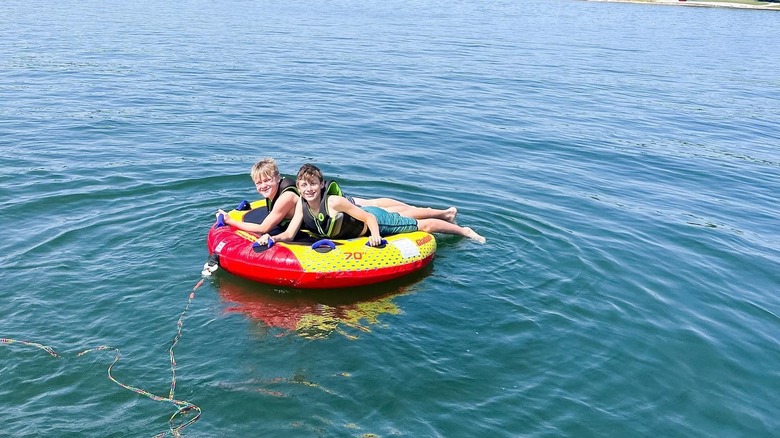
340	226
285	185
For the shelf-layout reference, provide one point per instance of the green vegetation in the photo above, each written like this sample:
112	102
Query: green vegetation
764	3
742	2
769	3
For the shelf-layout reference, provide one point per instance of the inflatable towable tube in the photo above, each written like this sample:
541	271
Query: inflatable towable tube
310	263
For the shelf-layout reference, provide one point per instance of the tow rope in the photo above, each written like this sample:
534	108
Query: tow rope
183	407
211	265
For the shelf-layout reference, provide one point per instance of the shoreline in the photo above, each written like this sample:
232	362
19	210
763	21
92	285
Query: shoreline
699	3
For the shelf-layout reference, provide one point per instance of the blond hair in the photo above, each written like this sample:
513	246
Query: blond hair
265	168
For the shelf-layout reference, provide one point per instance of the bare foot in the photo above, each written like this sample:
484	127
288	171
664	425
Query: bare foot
471	234
450	214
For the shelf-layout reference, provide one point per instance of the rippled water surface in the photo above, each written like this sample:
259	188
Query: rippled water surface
621	159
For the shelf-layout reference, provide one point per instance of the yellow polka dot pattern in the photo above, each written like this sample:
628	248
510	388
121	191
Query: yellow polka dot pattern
353	255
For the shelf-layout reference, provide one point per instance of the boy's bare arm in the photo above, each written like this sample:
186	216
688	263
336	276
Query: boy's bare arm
292	229
340	204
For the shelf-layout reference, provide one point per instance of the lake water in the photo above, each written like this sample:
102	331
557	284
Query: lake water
621	159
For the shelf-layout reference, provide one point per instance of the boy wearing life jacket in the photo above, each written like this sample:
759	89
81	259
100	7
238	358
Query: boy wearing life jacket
331	215
281	196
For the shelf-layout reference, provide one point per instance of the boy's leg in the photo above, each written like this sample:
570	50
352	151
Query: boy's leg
441	226
426	213
385	203
395	206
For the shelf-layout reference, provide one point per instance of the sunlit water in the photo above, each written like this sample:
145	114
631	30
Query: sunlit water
621	159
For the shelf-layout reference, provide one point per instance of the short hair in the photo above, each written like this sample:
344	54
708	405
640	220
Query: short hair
309	172
266	167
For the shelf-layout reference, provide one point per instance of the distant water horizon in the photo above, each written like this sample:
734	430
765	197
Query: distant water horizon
770	5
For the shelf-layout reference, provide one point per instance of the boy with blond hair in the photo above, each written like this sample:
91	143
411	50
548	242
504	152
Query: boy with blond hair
281	195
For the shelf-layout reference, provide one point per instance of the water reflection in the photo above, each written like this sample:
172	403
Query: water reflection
315	314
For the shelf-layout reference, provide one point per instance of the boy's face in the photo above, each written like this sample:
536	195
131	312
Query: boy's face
310	188
267	185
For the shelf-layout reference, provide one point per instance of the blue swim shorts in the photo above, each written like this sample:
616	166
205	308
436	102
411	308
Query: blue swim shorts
392	223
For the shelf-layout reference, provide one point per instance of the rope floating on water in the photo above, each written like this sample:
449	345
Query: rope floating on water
30	344
183	407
